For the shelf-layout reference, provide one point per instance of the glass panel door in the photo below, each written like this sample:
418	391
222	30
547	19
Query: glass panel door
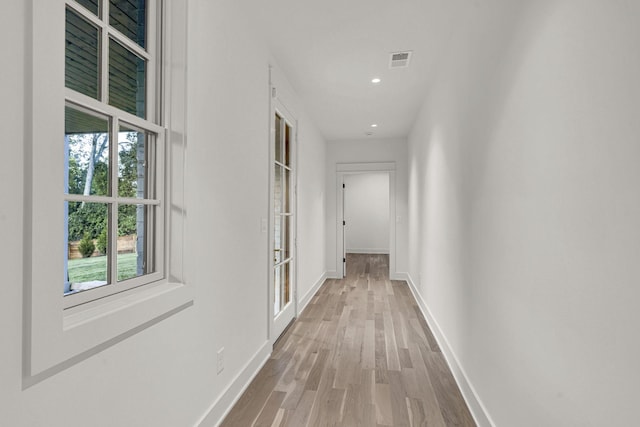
282	215
282	280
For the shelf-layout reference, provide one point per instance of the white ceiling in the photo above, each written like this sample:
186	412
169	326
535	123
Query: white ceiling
331	49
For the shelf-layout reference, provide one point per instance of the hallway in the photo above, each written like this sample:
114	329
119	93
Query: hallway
360	354
508	133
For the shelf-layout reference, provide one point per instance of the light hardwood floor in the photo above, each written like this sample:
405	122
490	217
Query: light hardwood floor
360	354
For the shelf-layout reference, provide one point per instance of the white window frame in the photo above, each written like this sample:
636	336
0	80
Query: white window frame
76	100
58	334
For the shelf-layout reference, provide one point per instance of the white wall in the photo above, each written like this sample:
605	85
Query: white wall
166	375
366	212
366	151
311	207
525	210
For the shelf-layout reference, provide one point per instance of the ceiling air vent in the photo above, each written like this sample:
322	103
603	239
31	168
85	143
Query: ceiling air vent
400	59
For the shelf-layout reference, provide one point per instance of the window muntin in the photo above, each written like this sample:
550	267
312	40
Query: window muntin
112	183
92	6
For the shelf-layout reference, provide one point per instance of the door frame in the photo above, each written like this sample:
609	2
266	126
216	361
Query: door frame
343	169
277	106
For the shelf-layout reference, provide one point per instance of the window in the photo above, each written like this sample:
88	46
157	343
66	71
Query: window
104	174
113	148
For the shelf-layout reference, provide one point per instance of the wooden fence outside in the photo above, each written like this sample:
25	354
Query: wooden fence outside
126	245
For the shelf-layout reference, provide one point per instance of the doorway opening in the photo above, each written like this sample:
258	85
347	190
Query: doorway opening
366	212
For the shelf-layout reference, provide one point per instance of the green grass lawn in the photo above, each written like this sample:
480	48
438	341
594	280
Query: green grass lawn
95	268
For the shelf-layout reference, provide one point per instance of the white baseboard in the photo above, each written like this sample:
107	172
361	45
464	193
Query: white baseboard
478	410
368	251
399	276
333	275
306	299
221	407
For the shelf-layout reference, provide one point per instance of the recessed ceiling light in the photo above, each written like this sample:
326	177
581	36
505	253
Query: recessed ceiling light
376	80
374	125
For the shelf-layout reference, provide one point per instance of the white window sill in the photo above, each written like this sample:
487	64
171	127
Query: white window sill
90	328
139	302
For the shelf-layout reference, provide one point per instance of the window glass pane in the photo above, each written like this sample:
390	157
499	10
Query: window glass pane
282	286
278	244
92	5
277	190
281	238
285	237
287	146
82	70
87	153
278	141
286	284
277	281
127	76
285	191
87	246
277	240
129	17
133	164
134	240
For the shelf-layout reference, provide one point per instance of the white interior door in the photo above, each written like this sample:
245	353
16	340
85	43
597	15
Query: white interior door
283	221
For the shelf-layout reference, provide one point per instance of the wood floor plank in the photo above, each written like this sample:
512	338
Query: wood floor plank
281	417
361	354
334	410
416	412
368	345
256	395
454	410
353	414
425	391
405	358
268	414
382	396
415	332
398	402
368	380
300	415
433	344
323	398
381	351
393	360
410	383
316	371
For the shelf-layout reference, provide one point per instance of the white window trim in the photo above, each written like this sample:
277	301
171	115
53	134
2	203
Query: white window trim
56	338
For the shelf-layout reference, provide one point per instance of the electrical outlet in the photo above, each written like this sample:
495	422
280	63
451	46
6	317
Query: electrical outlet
221	360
